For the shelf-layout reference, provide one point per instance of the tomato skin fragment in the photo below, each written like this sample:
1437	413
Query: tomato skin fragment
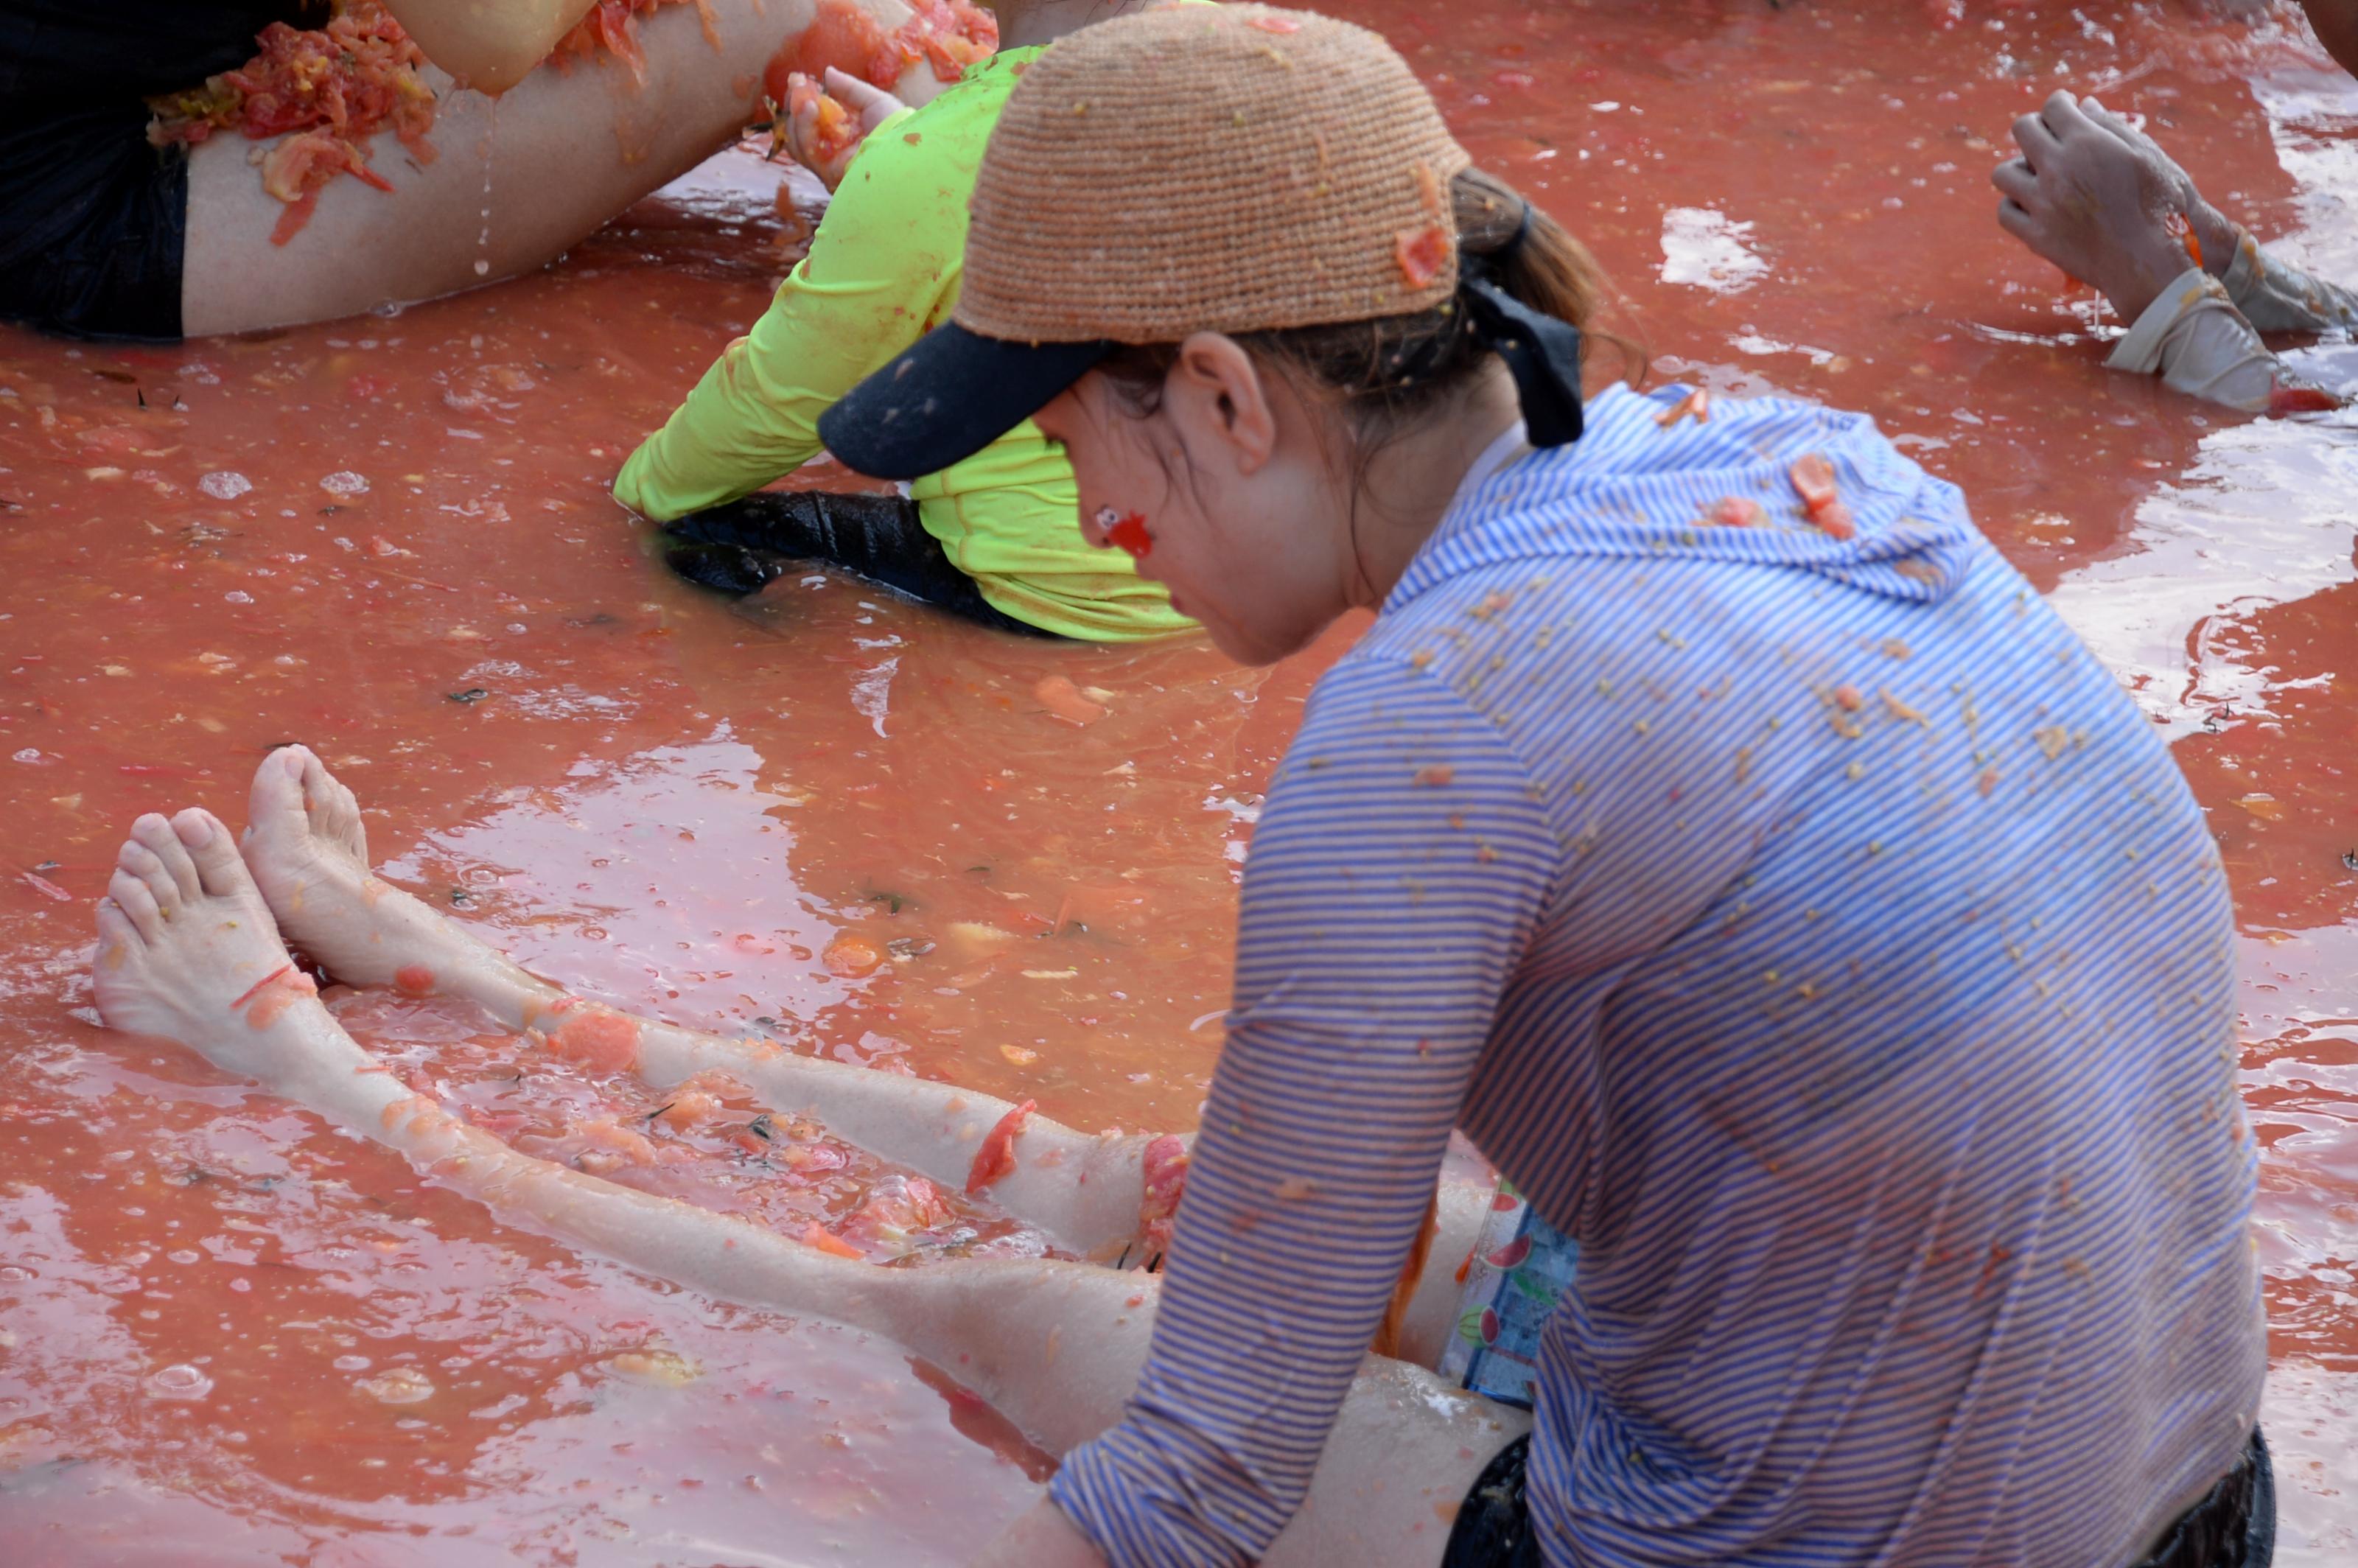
2183	233
45	888
2283	400
1835	518
1421	253
1735	512
820	1238
1697	403
994	1161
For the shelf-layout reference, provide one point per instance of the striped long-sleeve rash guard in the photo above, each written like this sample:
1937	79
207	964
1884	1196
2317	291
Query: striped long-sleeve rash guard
1822	940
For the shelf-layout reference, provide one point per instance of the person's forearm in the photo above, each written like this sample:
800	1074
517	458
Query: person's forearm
2276	296
2196	340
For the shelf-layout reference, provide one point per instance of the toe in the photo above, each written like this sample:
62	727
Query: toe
335	810
137	904
275	805
138	860
219	870
171	847
153	835
118	938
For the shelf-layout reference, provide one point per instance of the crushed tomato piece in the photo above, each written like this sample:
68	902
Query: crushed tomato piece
1813	479
328	90
994	1161
1164	1166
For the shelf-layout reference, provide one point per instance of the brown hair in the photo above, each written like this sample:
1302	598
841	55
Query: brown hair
1383	375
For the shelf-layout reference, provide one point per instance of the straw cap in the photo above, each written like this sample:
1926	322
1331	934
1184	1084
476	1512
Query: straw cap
1211	169
1191	168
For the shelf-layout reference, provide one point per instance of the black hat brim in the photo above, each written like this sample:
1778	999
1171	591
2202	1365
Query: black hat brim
951	395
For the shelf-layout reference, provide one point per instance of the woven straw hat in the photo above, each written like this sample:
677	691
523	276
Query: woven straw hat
1191	168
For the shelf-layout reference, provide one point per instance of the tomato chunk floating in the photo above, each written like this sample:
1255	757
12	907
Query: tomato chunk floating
995	1160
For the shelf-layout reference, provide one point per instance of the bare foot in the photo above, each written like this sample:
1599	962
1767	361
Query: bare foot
187	949
310	854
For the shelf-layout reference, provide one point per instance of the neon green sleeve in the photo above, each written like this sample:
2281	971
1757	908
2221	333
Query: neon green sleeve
882	269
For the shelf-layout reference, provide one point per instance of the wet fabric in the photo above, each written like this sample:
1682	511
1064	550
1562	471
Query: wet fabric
883	269
93	219
1822	941
1493	1527
739	548
2234	1525
2201	334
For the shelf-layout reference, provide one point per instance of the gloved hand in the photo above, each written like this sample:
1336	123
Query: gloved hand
2105	204
722	549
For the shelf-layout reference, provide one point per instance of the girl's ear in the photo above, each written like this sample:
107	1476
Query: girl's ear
1220	401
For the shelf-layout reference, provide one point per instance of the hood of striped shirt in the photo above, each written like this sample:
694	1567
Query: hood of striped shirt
1635	486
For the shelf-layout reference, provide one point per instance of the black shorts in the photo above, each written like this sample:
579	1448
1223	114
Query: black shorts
93	220
2234	1526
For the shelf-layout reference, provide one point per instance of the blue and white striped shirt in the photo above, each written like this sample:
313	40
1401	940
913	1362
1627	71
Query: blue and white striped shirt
1819	937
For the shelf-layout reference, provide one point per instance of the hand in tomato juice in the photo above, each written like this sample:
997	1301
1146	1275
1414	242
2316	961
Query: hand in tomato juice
2099	199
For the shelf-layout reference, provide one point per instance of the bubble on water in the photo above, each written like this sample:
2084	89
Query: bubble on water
352	1363
184	1255
14	1274
345	483
180	1381
224	484
483	267
238	596
30	754
398	1385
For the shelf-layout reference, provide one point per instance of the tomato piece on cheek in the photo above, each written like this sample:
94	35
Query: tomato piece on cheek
1129	533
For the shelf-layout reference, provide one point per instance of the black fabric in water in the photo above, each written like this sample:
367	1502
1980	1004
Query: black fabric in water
1493	1529
2234	1526
742	546
93	219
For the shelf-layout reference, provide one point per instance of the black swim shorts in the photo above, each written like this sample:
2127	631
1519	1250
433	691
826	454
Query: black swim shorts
93	219
2234	1526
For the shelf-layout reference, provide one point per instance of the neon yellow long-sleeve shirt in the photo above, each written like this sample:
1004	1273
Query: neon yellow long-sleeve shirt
883	269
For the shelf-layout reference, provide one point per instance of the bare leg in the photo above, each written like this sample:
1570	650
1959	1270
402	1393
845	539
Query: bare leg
187	949
553	158
306	848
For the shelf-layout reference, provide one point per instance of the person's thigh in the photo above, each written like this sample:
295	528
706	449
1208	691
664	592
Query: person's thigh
1405	1452
515	179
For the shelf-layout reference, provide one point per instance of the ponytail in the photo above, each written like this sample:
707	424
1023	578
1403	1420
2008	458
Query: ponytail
1531	256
